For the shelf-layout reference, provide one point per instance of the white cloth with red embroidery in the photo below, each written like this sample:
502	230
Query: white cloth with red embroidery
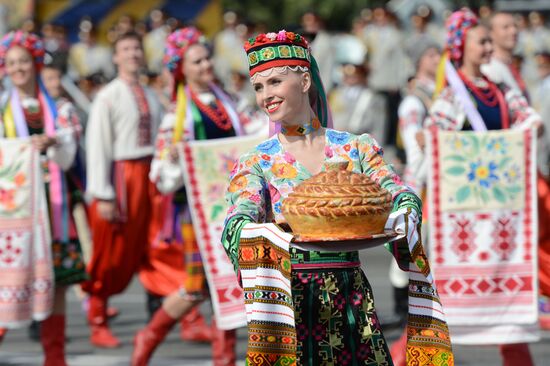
206	164
482	212
26	271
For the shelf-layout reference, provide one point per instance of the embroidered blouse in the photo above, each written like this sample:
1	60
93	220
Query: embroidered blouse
266	175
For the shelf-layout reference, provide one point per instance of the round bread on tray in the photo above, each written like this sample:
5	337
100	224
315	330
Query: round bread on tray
337	204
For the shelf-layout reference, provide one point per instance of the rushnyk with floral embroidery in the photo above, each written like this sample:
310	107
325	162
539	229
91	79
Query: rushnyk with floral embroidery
482	202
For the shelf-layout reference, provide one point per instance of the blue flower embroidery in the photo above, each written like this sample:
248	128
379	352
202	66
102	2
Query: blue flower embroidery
483	173
512	174
498	145
277	207
265	164
270	146
337	137
354	154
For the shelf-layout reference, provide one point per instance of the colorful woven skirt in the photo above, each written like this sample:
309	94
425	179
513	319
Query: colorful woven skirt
336	323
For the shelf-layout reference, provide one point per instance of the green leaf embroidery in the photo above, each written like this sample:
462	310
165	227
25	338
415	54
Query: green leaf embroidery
216	210
475	145
499	195
455	170
483	141
463	193
504	162
484	195
457	158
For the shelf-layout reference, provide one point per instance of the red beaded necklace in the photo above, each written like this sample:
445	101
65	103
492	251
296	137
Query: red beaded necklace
217	115
487	96
490	96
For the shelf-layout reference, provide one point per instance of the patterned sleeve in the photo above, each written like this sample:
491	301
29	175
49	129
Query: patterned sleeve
373	164
522	115
247	190
167	175
445	113
375	167
247	201
67	133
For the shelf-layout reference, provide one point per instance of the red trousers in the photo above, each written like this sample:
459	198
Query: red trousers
164	270
120	247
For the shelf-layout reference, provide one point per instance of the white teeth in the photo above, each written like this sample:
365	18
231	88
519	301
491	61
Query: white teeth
273	106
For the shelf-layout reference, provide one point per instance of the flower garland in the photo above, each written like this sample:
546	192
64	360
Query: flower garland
281	36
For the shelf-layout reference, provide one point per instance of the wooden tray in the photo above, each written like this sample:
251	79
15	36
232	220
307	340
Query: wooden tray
350	244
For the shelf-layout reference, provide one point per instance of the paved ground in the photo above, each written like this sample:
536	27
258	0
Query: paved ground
18	350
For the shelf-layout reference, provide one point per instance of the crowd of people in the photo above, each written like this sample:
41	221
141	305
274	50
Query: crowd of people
108	121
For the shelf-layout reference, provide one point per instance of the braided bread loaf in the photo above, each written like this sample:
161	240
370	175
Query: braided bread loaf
337	203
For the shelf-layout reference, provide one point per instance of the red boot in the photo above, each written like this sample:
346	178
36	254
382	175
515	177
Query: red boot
194	327
516	354
97	317
3	332
52	337
398	350
149	338
223	346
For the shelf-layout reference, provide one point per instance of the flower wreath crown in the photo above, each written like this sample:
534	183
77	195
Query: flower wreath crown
29	41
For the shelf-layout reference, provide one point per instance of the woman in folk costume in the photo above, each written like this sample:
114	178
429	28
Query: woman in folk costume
201	111
469	47
335	321
28	110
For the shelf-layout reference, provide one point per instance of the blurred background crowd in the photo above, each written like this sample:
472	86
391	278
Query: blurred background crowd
368	51
365	49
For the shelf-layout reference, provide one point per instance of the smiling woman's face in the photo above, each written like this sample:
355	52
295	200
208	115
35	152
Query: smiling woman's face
478	47
283	96
197	65
20	66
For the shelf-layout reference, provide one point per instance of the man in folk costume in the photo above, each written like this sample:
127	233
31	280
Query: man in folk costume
473	102
119	142
504	34
201	111
29	111
425	55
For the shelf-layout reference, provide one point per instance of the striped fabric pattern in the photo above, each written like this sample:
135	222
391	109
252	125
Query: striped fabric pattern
264	261
428	340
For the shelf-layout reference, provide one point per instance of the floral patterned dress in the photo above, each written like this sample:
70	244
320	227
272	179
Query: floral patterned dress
336	321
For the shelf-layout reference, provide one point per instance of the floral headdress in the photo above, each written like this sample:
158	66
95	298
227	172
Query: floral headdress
270	50
458	24
177	43
284	50
29	41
